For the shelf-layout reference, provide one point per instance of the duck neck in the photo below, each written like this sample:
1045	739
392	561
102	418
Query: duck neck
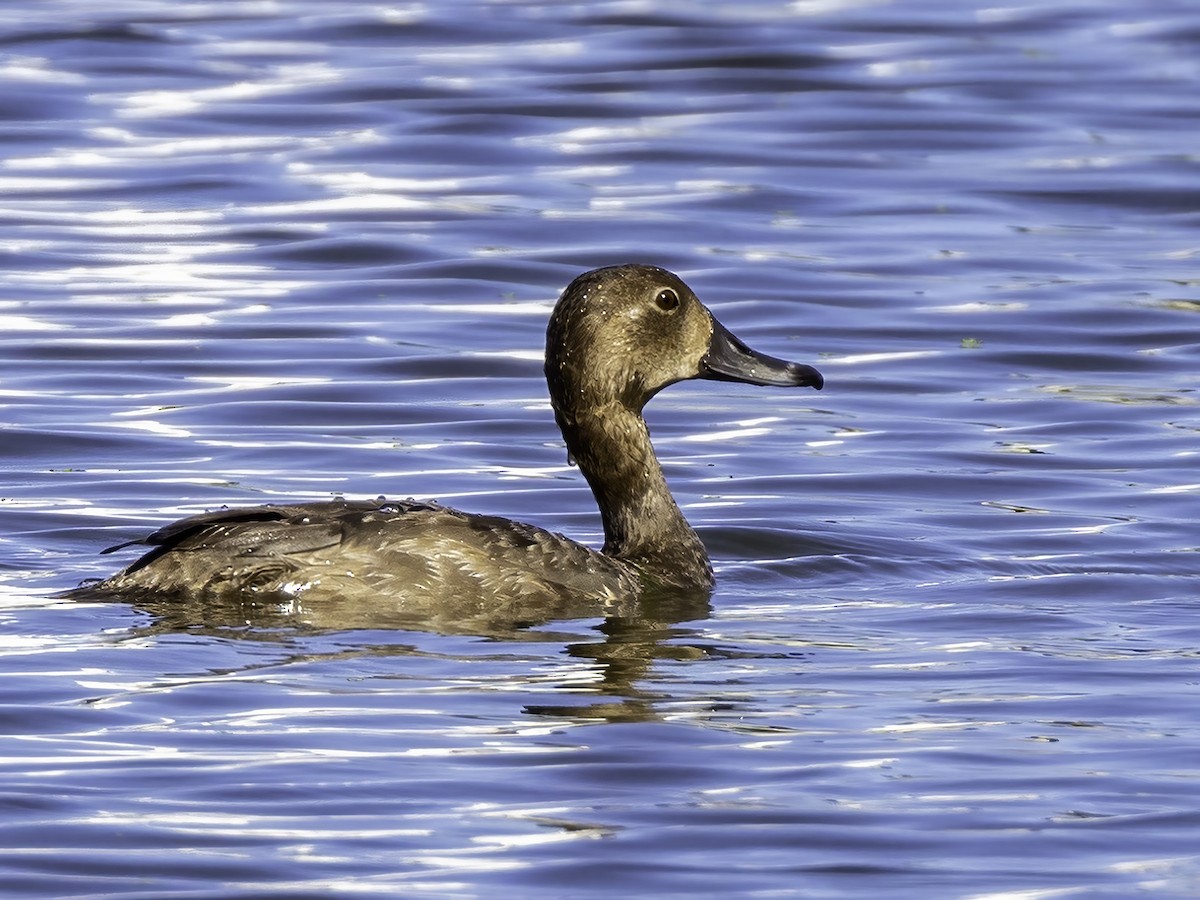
642	522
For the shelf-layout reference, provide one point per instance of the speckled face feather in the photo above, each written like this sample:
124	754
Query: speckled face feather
608	339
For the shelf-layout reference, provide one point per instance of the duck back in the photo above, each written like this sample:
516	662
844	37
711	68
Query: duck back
417	553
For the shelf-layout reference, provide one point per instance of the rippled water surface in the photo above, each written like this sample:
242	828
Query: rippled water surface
257	251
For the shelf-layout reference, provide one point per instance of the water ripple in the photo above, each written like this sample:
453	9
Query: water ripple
259	251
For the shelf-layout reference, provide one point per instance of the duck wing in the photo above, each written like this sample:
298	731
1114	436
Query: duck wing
286	528
371	554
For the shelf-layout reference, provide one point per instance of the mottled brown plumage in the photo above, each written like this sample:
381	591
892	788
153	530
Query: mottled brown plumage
617	336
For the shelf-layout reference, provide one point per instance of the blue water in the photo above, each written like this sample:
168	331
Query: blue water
260	251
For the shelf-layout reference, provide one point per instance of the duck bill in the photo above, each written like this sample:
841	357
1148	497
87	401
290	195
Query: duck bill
728	359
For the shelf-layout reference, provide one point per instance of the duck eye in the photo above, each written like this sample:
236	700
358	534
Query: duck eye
667	300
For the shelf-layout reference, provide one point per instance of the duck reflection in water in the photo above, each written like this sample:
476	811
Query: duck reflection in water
617	336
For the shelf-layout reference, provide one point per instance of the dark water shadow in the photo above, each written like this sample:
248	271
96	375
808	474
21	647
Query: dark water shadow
636	634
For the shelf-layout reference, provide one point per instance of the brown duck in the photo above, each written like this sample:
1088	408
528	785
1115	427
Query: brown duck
617	336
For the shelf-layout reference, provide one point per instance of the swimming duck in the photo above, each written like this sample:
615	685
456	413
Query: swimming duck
617	336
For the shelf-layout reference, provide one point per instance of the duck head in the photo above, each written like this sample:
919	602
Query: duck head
623	333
